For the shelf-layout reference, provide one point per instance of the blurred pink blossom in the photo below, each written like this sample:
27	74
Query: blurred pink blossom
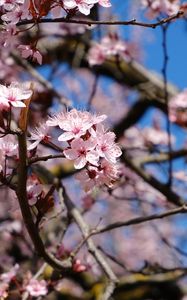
37	288
157	7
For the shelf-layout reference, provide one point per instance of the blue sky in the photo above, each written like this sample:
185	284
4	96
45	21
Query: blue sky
177	50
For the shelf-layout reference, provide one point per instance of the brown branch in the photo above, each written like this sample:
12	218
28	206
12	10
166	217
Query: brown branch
139	220
92	22
162	188
25	209
161	157
44	158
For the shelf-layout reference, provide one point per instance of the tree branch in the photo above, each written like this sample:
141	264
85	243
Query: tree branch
25	209
85	230
114	23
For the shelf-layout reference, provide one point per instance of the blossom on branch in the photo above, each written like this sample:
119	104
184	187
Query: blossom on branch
39	134
83	6
109	46
30	52
90	145
13	95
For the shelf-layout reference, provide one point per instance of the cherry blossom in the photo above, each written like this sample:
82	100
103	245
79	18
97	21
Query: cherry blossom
9	146
78	266
13	95
105	3
10	4
109	173
178	108
105	174
37	288
83	6
88	178
3	291
106	146
17	13
33	192
82	152
88	142
8	38
28	51
74	123
156	7
109	46
39	134
7	277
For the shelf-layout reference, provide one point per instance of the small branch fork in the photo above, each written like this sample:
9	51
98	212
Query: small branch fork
85	230
92	22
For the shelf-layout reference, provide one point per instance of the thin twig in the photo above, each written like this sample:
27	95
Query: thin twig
166	97
139	220
92	22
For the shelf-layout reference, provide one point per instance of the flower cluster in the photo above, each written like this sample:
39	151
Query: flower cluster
157	7
109	46
13	12
151	137
89	145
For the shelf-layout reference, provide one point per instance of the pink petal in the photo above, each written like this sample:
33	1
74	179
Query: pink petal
70	154
80	162
66	136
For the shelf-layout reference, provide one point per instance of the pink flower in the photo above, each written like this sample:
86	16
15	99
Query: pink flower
39	134
106	146
3	291
57	119
10	4
106	173
156	7
28	51
75	124
96	55
7	277
8	148
109	46
88	178
78	266
18	13
13	95
109	174
105	3
82	152
33	192
83	6
9	145
37	288
178	108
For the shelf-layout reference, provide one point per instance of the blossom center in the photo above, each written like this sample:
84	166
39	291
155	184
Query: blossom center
82	151
76	130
